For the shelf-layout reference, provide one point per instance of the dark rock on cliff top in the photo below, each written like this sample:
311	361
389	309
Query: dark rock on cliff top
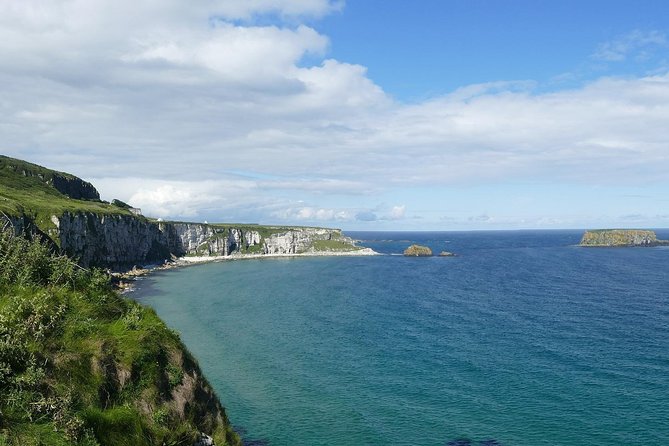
75	187
66	184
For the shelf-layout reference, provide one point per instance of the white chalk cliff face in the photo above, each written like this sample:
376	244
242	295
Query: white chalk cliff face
295	241
123	240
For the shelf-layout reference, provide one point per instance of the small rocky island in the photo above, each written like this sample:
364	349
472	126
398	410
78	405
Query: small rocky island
621	238
446	254
417	251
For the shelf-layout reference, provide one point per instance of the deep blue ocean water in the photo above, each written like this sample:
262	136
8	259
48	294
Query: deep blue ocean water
522	339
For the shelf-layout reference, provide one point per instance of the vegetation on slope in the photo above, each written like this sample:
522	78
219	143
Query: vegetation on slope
334	245
30	190
80	365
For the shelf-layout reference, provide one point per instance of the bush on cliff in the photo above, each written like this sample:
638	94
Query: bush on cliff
80	365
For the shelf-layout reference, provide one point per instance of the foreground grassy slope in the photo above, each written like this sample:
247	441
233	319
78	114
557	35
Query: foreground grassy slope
80	365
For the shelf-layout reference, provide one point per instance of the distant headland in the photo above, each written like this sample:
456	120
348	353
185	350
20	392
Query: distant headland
67	213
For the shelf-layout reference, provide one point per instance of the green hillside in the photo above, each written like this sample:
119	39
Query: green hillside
32	190
80	365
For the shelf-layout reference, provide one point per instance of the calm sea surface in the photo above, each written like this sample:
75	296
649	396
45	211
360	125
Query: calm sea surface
523	339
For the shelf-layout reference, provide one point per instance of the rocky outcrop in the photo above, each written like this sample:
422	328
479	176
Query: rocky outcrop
74	187
64	183
418	251
620	237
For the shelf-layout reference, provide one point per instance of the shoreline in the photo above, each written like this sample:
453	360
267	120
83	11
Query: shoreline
189	260
124	281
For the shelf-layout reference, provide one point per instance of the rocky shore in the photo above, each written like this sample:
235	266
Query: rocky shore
124	280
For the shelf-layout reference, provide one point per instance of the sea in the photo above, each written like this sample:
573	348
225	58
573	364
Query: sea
521	339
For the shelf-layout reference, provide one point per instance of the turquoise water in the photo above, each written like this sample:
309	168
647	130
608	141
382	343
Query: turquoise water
523	339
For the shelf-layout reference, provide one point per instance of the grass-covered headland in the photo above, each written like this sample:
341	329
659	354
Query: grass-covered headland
81	365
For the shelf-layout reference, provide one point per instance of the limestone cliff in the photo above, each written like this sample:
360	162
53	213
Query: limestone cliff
620	237
124	240
112	240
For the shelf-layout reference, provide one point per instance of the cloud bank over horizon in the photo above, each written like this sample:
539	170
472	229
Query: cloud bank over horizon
233	110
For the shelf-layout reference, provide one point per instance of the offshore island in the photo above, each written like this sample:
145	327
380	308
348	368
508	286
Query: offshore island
79	363
621	238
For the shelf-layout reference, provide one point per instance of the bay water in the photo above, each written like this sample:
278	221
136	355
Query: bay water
523	338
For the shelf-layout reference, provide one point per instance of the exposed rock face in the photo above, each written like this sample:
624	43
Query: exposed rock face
295	240
621	237
114	240
125	240
190	235
74	187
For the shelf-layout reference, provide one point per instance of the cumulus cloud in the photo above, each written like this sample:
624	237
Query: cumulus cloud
397	212
174	90
182	199
311	214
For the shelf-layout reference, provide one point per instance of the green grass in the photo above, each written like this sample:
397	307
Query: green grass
32	196
332	246
81	365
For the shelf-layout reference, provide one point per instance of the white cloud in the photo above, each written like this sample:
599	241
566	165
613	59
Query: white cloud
397	212
181	199
312	214
633	43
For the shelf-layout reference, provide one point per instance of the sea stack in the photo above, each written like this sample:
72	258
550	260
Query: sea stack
418	251
620	238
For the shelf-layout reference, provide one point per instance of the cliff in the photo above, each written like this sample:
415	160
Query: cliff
125	240
620	237
66	212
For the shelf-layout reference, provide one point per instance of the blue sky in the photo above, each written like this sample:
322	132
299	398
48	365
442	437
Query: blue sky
421	49
362	114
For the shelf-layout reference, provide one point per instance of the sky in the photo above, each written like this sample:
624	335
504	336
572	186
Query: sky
358	114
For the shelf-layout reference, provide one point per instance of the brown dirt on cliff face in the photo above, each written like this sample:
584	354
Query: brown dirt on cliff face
194	398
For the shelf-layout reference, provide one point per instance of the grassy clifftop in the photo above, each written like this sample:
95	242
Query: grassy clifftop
80	365
38	192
